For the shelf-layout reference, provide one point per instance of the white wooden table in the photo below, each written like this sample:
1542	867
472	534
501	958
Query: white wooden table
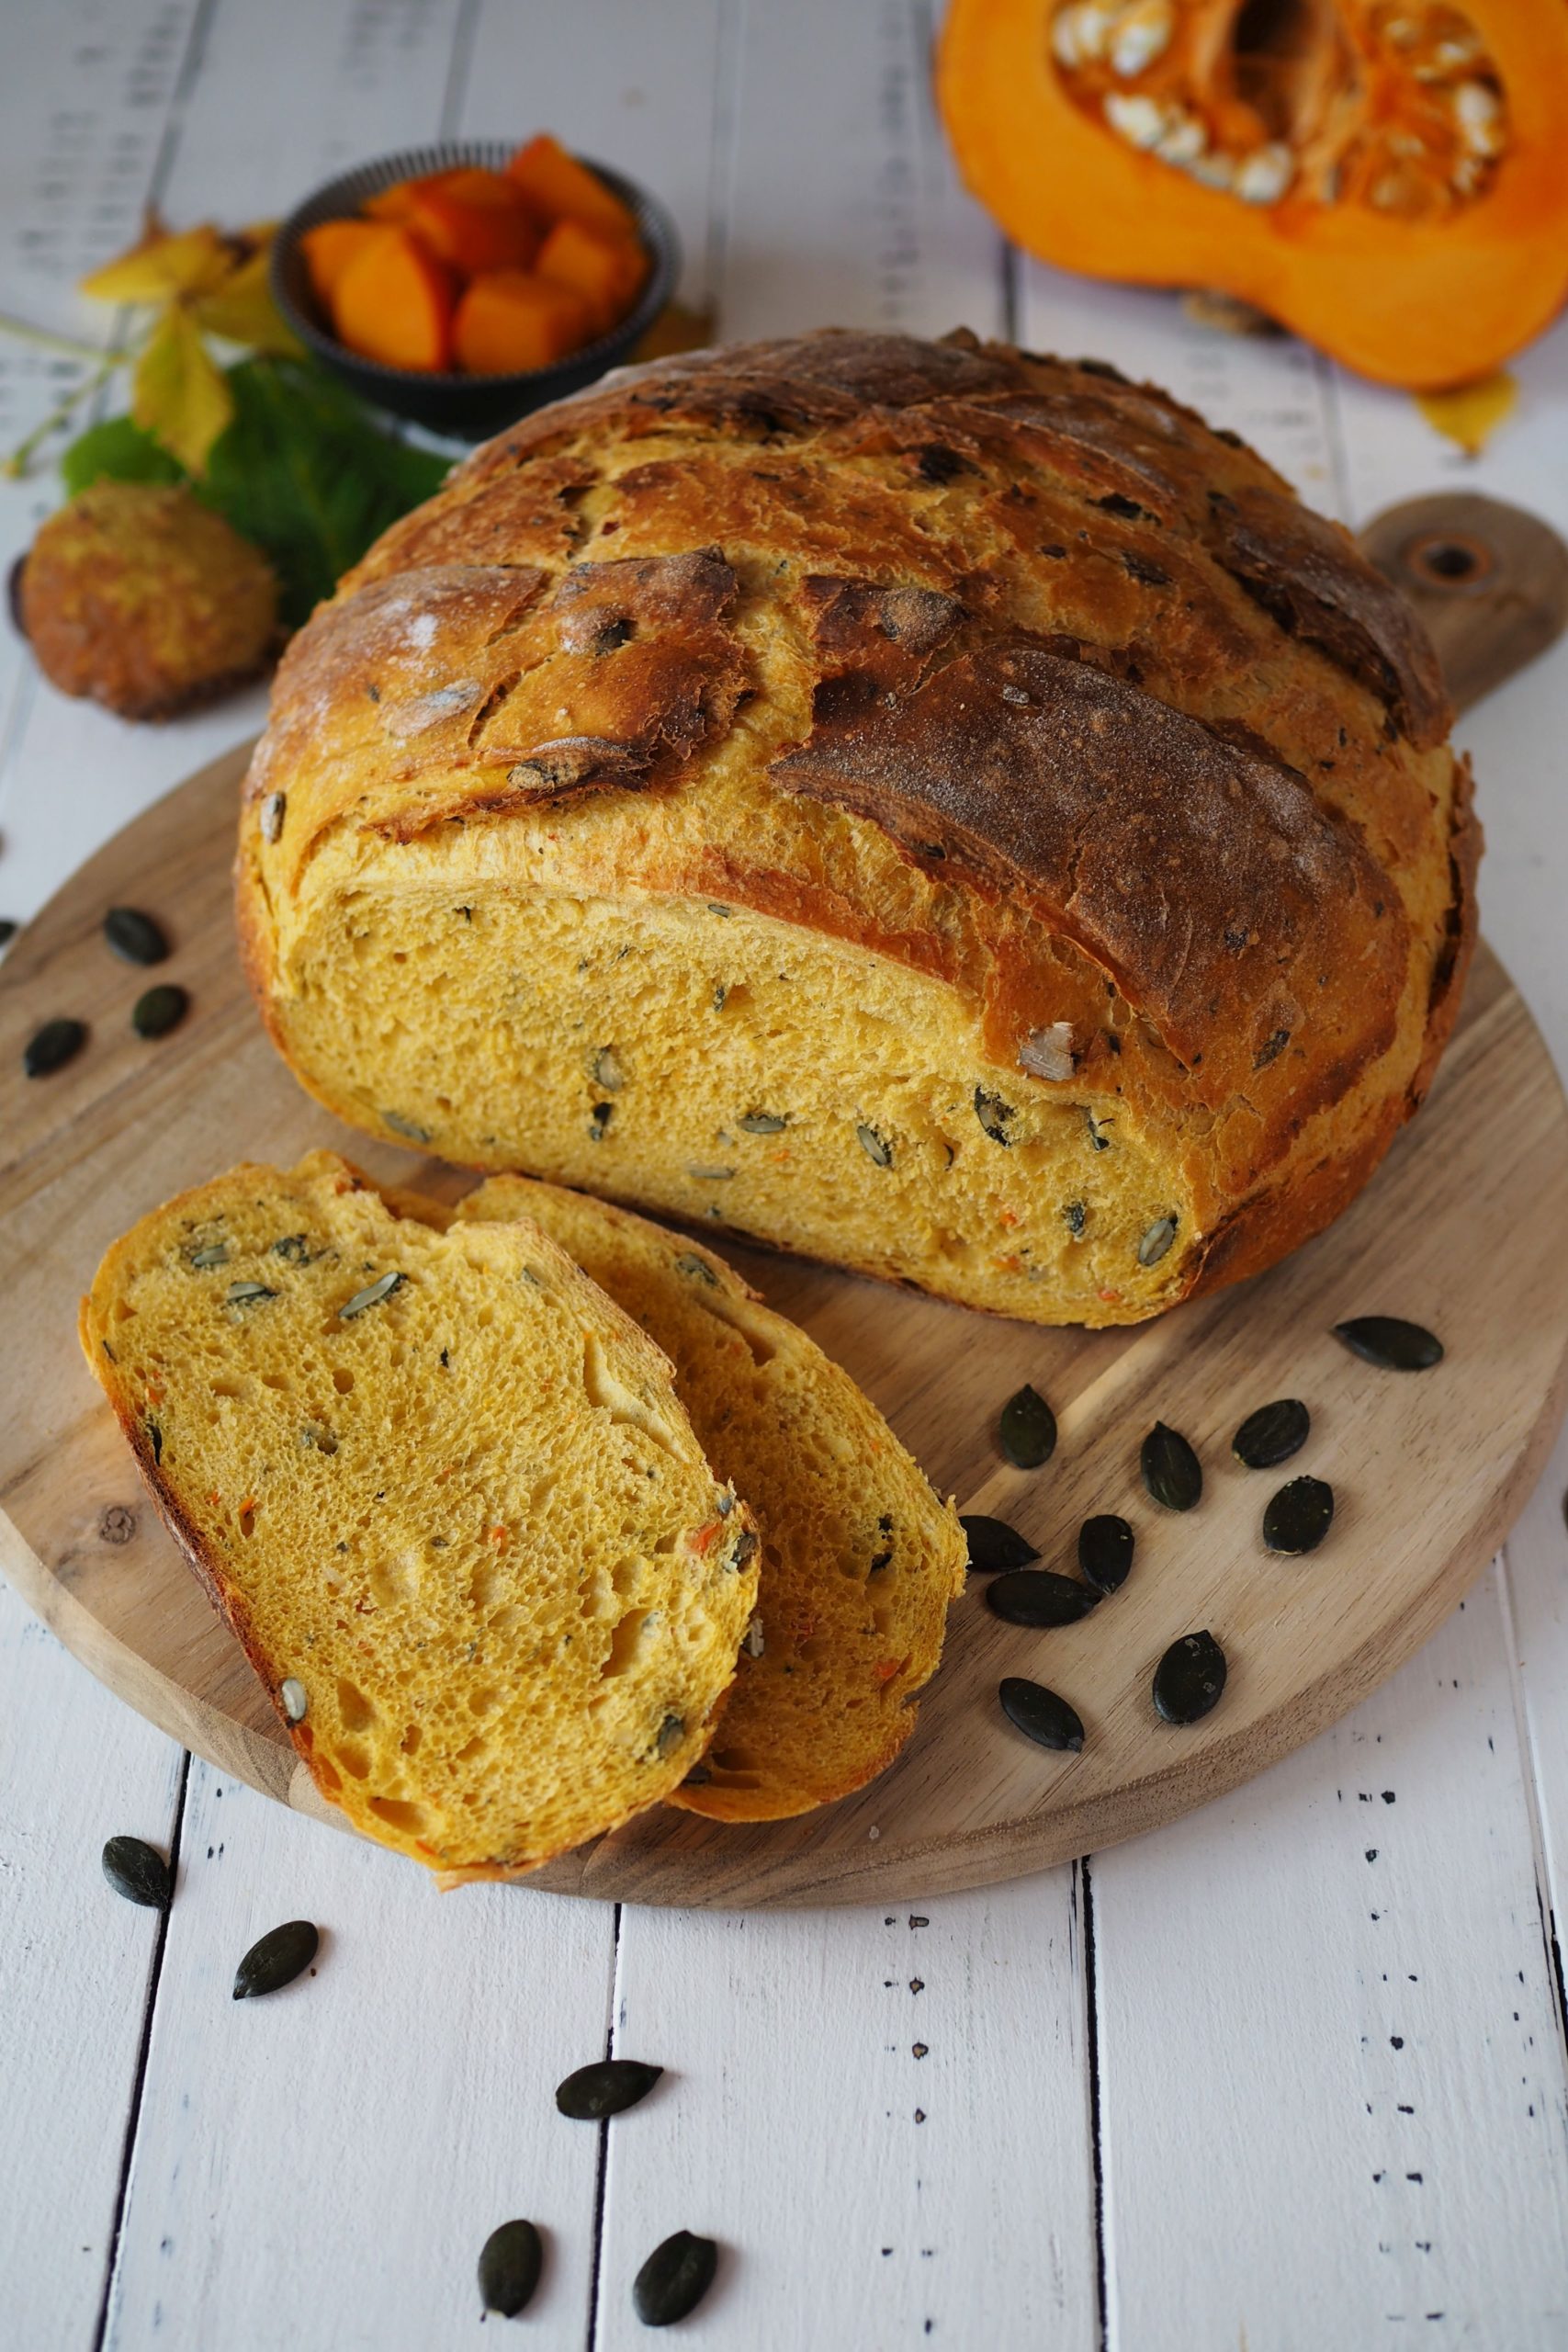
1289	2074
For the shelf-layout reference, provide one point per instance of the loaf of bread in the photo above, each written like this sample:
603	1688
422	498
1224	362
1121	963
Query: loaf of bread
860	1557
934	807
444	1492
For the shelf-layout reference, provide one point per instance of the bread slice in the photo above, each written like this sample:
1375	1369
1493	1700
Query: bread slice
444	1493
860	1556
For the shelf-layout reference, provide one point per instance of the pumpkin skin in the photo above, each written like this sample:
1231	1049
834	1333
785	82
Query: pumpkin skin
1426	303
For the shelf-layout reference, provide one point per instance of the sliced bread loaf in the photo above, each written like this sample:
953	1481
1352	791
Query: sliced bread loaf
444	1493
860	1556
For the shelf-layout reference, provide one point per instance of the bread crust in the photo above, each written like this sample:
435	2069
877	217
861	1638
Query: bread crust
996	665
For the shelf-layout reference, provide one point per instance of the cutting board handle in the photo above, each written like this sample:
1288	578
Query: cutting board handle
1489	580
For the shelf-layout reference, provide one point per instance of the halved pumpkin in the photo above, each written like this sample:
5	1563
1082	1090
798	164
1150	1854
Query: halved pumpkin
1387	177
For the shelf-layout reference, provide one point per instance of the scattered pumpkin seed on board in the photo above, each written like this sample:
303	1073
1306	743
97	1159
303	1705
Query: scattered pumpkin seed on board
1105	1551
994	1545
1172	1472
674	2278
510	2262
159	1010
1040	1597
1390	1344
1042	1716
1027	1431
135	935
50	1047
1189	1678
1299	1516
1272	1433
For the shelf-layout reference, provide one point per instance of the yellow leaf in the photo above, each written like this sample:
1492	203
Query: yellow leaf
242	309
179	395
164	263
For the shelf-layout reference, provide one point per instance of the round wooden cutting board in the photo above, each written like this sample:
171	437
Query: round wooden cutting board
1462	1229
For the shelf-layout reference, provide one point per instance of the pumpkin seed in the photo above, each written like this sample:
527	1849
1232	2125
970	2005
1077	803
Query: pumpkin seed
291	1246
8	930
246	1294
688	1262
1156	1241
156	1440
510	2262
874	1147
1076	1216
1027	1431
674	2278
1040	1597
273	810
1105	1551
1040	1714
994	1545
52	1046
294	1698
211	1254
402	1127
134	936
1299	1516
1189	1678
673	1730
606	1070
707	1175
276	1959
371	1295
1272	1433
993	1114
607	2088
1172	1472
138	1872
1392	1345
1100	1142
159	1010
762	1123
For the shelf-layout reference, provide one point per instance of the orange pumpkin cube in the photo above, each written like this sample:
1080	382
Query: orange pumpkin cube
330	247
392	203
471	238
606	271
394	303
510	319
561	188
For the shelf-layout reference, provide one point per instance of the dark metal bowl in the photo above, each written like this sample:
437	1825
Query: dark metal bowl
469	407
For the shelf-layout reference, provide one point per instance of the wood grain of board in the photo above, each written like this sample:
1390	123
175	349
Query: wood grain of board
1460	1231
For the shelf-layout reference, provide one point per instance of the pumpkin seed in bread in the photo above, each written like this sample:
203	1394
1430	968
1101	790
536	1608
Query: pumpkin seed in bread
860	1556
444	1491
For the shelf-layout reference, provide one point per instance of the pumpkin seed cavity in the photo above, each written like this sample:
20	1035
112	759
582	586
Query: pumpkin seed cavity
276	1959
674	2278
1272	1433
1390	1344
159	1010
607	2087
138	1872
510	2262
50	1047
1040	1597
1299	1516
1189	1678
1172	1472
1027	1430
1044	1716
1105	1551
994	1545
134	936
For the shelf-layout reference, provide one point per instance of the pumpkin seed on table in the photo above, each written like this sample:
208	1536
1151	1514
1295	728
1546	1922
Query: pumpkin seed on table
276	1959
674	2278
510	2263
1189	1678
1042	1716
8	930
50	1047
134	936
138	1872
1027	1431
1390	1344
994	1545
1105	1551
1039	1597
1172	1472
159	1010
1272	1433
1299	1516
608	2087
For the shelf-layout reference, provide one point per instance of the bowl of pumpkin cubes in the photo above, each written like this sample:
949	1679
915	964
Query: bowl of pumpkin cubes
462	284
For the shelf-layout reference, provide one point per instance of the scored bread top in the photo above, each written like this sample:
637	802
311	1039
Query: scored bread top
1003	667
860	1556
443	1491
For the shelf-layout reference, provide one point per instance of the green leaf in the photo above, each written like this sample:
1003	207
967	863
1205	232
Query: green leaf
117	450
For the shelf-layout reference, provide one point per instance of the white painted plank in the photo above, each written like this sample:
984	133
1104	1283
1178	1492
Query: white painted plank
322	2165
75	1768
881	2116
632	85
843	208
1331	2091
